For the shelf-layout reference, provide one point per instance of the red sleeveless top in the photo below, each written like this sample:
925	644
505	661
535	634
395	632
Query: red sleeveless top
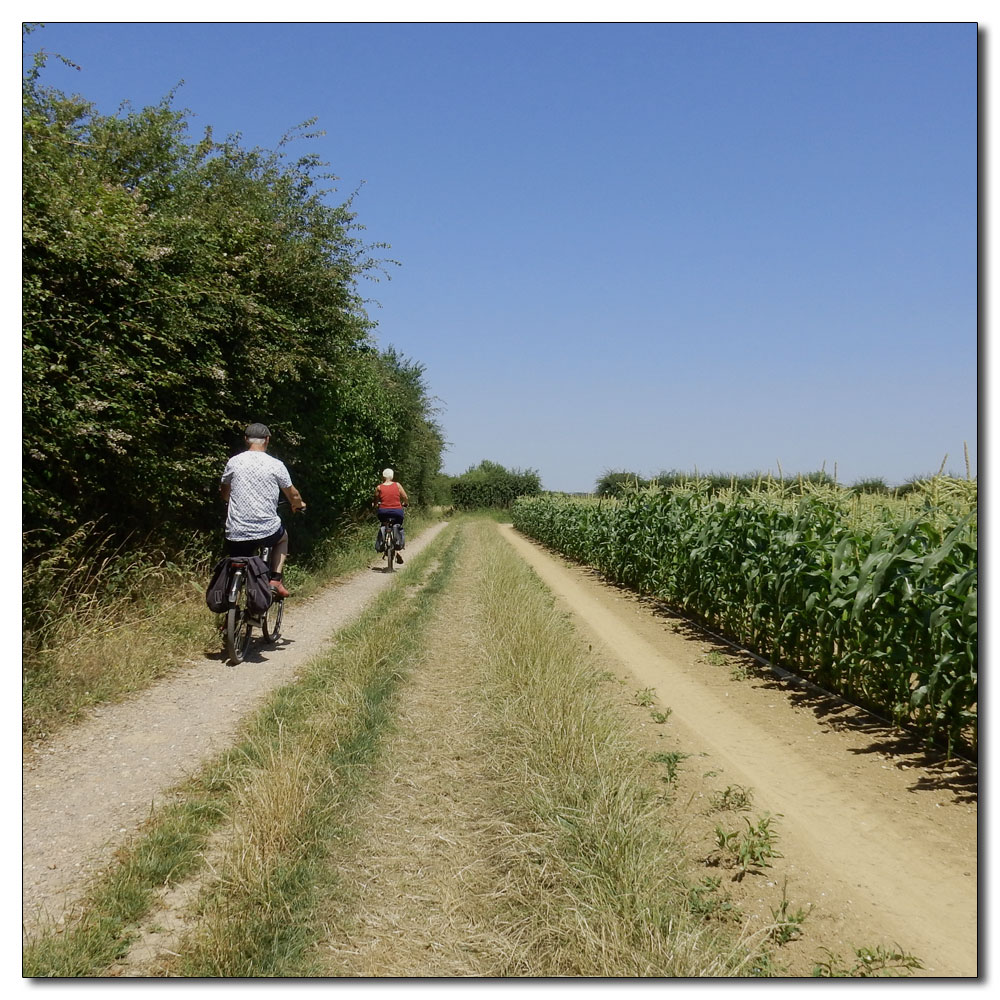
388	495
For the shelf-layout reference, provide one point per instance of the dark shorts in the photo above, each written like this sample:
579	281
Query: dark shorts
394	515
249	547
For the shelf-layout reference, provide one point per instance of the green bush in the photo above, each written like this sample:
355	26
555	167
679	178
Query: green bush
491	485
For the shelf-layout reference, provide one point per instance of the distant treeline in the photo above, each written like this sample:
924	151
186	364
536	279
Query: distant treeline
176	289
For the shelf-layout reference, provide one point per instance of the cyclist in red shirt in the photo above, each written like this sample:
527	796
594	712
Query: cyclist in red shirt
390	499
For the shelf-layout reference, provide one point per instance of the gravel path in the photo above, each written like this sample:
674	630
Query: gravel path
86	790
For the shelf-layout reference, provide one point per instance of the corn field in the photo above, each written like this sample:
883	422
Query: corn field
872	597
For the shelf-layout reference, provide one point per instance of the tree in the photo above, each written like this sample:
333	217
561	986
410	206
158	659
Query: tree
491	485
612	482
414	448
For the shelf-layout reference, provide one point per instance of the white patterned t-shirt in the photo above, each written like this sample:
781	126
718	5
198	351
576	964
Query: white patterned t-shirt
255	480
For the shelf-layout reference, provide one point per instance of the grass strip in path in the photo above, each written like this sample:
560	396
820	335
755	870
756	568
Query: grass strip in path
591	878
417	890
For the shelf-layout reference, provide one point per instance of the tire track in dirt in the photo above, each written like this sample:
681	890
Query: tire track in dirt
86	790
887	840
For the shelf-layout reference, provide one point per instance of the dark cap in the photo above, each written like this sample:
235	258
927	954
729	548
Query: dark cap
257	431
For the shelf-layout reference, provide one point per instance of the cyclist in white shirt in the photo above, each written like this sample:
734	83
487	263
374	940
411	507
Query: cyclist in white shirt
252	484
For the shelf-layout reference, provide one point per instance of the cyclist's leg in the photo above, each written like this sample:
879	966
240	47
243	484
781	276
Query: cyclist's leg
279	550
278	545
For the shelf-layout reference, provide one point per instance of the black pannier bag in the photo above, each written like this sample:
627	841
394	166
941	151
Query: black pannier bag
259	593
217	595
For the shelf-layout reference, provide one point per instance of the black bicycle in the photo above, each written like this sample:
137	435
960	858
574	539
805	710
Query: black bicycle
390	541
240	619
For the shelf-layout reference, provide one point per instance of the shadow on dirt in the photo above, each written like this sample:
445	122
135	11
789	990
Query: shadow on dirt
257	653
933	769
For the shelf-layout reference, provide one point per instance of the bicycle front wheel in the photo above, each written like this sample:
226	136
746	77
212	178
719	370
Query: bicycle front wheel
238	627
270	622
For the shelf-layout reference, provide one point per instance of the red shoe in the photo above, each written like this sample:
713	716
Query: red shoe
279	588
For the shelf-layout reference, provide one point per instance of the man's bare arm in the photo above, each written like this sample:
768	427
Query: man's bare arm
294	498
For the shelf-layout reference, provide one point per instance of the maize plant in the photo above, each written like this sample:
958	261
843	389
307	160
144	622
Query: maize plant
870	596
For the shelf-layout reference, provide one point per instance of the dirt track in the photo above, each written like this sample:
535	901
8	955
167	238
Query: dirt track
87	789
878	839
882	839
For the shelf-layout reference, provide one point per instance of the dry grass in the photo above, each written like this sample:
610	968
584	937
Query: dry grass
97	629
245	927
593	881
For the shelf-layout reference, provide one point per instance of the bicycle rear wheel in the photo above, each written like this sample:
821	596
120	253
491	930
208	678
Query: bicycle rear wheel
238	626
390	547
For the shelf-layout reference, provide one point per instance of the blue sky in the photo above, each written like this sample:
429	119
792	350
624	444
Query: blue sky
632	246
